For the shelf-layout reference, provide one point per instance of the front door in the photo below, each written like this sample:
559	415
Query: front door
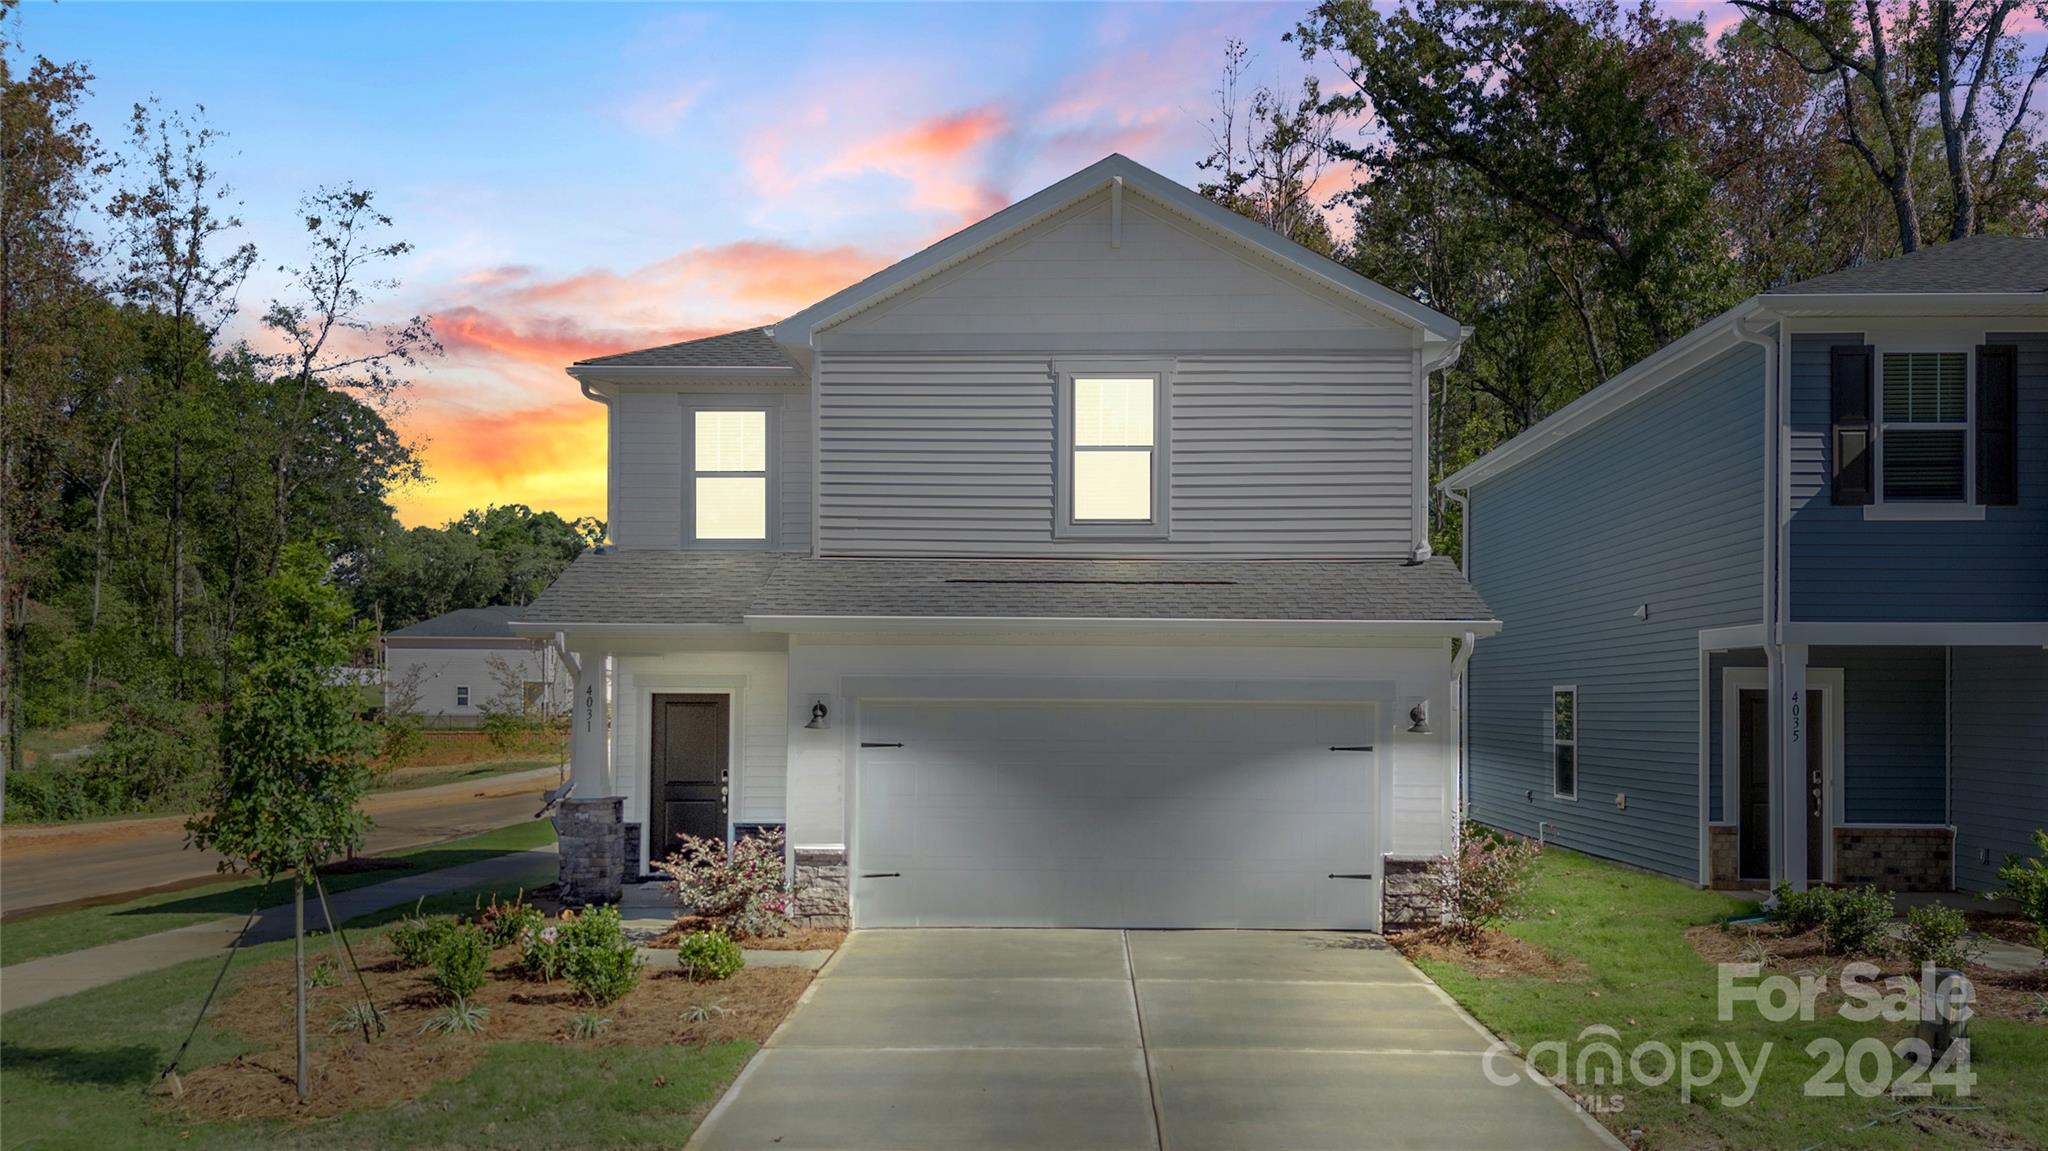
1752	709
691	766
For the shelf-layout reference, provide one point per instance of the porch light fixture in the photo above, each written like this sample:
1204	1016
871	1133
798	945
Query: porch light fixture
818	713
1418	719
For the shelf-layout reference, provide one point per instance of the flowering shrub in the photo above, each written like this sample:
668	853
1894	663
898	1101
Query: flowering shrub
506	923
1484	884
740	890
549	950
709	955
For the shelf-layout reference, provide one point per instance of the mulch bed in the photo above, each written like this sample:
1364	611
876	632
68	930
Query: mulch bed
2006	925
795	939
2015	995
1491	952
349	1074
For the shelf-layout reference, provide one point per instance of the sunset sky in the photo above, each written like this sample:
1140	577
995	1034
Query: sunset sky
586	179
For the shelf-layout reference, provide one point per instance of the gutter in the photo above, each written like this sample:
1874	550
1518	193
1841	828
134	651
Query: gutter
1390	628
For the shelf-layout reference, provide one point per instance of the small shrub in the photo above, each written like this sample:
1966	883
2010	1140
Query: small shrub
2026	884
1938	935
594	927
416	938
404	738
459	1017
604	973
324	974
588	1025
541	952
741	890
360	1016
1803	910
1484	884
506	923
1858	922
460	959
707	955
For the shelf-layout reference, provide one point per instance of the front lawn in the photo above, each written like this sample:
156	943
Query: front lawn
60	931
78	1072
1623	962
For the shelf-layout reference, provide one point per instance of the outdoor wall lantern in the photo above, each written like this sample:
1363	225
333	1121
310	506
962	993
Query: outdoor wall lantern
1418	719
819	712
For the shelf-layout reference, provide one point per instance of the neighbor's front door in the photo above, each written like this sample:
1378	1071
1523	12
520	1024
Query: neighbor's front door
1752	706
691	765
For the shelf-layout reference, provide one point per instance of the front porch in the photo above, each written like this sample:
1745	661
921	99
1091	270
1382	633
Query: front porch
1918	768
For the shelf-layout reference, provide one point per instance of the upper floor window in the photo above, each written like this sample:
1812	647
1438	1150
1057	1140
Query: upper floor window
729	476
1113	454
1923	440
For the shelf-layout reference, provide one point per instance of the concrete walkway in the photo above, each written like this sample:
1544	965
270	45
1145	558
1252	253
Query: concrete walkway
41	980
1190	1040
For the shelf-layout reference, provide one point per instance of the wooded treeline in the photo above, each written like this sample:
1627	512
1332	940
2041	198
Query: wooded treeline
1584	182
158	467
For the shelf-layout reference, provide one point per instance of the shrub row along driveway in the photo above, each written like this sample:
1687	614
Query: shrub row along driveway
1141	1039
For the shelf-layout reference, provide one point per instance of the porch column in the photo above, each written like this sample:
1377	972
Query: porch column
590	830
1790	733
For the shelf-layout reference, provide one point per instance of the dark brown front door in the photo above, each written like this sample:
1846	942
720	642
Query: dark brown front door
1754	775
691	766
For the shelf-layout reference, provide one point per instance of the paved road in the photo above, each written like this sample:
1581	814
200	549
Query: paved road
1134	1041
42	866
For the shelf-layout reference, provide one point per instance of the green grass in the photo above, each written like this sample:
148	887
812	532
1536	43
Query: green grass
75	1073
62	931
1647	982
457	773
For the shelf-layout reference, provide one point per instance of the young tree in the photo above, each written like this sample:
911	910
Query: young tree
294	754
1267	149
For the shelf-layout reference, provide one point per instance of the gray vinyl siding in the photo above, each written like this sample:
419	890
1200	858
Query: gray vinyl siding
1895	732
651	445
1660	504
1292	456
2000	789
1844	568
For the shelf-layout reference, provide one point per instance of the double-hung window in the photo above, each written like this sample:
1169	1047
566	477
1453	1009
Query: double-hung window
729	476
1113	450
1564	742
1923	438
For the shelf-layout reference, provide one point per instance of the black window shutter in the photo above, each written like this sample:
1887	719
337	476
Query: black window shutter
1998	425
1850	423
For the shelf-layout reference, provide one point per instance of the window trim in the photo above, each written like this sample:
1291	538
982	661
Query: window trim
1966	508
771	460
1550	729
1160	525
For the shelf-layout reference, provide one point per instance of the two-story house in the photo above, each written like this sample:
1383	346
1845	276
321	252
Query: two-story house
1776	598
1072	571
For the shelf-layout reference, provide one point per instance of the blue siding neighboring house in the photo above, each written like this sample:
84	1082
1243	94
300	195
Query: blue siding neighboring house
1796	566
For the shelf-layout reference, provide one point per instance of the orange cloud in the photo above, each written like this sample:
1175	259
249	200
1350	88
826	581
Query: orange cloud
556	341
551	456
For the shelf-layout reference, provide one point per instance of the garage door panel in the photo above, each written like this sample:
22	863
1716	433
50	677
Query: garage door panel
1136	813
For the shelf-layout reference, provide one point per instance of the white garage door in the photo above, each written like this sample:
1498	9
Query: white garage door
1125	814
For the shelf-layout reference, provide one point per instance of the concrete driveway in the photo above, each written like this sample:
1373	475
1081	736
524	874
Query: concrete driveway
959	1039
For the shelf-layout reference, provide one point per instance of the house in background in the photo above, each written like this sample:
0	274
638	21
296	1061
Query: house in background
1776	598
446	668
1071	572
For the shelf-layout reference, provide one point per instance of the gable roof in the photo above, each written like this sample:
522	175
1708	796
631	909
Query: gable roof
635	589
746	348
1972	264
464	623
799	329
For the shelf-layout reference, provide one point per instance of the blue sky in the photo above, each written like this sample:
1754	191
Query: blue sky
580	179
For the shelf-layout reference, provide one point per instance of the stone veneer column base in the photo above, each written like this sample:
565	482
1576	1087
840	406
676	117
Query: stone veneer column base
1408	899
1895	858
629	857
819	895
590	835
1724	857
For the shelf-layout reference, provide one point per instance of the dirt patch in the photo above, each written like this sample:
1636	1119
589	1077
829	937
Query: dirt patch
796	939
2015	995
349	1074
1491	953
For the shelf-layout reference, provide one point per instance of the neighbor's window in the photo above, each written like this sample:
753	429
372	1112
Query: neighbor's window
1564	742
1112	460
729	475
462	696
1924	437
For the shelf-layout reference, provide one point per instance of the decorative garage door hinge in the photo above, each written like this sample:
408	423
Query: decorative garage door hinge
1357	747
865	743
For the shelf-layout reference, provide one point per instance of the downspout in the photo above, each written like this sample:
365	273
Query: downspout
1458	663
1752	332
610	427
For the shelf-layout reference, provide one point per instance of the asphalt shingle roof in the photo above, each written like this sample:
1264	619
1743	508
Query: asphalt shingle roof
1973	264
465	623
670	587
750	348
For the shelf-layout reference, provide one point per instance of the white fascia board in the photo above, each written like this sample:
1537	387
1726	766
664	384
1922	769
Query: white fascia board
1644	378
2015	633
660	374
1082	628
1906	303
800	329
